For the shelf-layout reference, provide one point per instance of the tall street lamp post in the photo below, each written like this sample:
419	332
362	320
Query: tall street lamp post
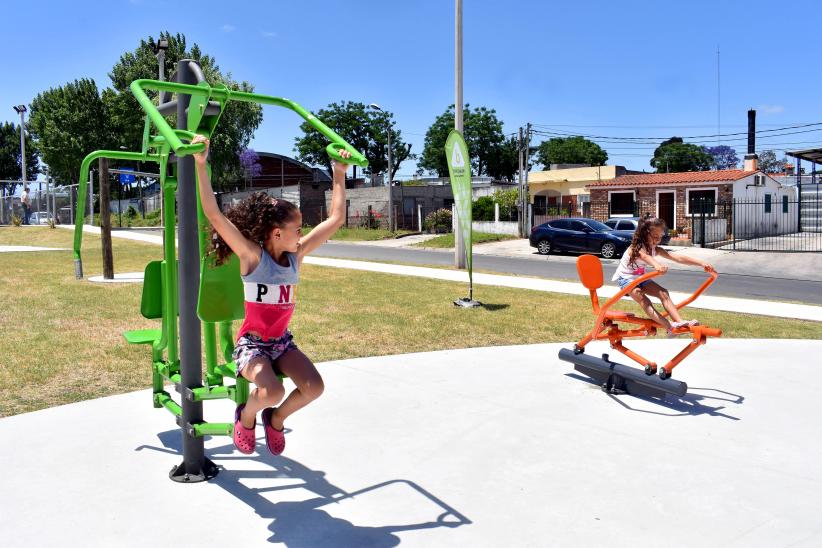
21	110
375	106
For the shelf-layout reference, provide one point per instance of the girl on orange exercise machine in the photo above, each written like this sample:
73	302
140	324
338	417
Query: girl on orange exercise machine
644	252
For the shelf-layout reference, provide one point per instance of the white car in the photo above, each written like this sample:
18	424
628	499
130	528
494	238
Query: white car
40	218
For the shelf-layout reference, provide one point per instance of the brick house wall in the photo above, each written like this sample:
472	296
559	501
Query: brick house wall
646	200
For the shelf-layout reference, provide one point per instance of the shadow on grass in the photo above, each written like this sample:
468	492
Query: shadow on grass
302	522
494	307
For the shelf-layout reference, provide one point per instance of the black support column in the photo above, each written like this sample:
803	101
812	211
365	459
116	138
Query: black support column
195	466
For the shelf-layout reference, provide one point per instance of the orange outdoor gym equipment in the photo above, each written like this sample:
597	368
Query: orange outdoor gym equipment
606	327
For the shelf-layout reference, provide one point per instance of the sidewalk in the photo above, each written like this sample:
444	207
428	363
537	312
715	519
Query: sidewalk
707	302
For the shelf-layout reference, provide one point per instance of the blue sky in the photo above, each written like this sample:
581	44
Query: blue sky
627	68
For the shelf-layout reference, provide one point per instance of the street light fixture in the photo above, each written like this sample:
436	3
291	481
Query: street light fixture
160	52
375	106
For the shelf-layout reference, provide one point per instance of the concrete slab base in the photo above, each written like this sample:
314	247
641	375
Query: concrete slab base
504	446
18	248
122	277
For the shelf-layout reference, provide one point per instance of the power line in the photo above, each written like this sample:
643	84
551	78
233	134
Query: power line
656	141
552	129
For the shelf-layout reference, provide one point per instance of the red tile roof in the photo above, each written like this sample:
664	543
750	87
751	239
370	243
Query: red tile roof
654	179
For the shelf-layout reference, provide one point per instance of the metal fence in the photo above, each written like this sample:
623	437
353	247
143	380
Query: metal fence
543	214
773	223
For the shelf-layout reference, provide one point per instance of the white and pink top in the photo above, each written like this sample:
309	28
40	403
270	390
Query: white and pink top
633	270
270	296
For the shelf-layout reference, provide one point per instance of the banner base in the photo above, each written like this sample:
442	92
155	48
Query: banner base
467	302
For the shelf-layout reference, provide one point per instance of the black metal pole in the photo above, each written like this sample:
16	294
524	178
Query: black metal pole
195	467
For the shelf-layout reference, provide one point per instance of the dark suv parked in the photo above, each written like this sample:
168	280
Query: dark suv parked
582	235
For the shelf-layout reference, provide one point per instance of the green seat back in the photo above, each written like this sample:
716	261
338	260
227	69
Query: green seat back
151	304
221	295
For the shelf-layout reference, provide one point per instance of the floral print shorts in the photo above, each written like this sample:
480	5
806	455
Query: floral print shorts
250	346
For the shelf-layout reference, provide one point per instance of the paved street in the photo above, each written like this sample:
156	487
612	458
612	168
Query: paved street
761	281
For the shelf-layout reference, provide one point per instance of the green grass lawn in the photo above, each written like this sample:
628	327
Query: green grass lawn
363	234
447	240
61	339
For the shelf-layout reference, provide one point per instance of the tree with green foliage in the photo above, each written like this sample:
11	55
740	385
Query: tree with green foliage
570	150
674	156
483	134
769	163
503	164
365	129
10	167
237	123
483	209
67	123
507	200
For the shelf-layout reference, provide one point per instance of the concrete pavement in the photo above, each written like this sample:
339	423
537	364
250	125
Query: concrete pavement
502	446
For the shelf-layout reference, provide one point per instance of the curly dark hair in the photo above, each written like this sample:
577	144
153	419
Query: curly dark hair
255	217
642	236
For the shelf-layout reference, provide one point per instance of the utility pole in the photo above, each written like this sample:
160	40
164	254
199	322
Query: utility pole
526	159
459	246
520	198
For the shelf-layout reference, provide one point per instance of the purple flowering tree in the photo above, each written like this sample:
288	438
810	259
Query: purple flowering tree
724	156
250	164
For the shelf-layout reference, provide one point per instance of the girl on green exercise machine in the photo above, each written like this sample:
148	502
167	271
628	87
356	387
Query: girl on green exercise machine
265	234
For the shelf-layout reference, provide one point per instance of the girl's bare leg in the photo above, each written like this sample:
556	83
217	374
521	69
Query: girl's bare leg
268	393
638	294
296	366
655	290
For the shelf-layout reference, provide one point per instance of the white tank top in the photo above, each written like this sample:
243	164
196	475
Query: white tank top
633	270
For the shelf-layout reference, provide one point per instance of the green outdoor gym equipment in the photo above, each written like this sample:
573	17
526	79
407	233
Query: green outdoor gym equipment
206	298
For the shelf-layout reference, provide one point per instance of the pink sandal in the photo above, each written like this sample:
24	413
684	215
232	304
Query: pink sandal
275	439
244	438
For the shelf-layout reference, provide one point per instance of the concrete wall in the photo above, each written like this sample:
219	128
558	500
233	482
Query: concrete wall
501	227
405	200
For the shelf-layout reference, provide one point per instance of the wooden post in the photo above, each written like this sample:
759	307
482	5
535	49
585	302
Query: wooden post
105	221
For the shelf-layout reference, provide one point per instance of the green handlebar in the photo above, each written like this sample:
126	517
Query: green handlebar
138	88
356	158
191	148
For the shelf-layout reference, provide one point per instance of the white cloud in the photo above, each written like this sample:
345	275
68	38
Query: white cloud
268	34
228	28
771	109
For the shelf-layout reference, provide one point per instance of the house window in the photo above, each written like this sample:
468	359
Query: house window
621	203
784	204
768	198
701	201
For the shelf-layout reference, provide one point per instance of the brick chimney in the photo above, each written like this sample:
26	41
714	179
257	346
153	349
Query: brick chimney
751	159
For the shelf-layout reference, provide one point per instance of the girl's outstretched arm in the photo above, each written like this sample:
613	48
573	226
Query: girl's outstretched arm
336	214
247	251
648	258
684	259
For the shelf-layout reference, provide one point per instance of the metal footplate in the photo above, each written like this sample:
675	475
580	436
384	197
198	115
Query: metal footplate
616	377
